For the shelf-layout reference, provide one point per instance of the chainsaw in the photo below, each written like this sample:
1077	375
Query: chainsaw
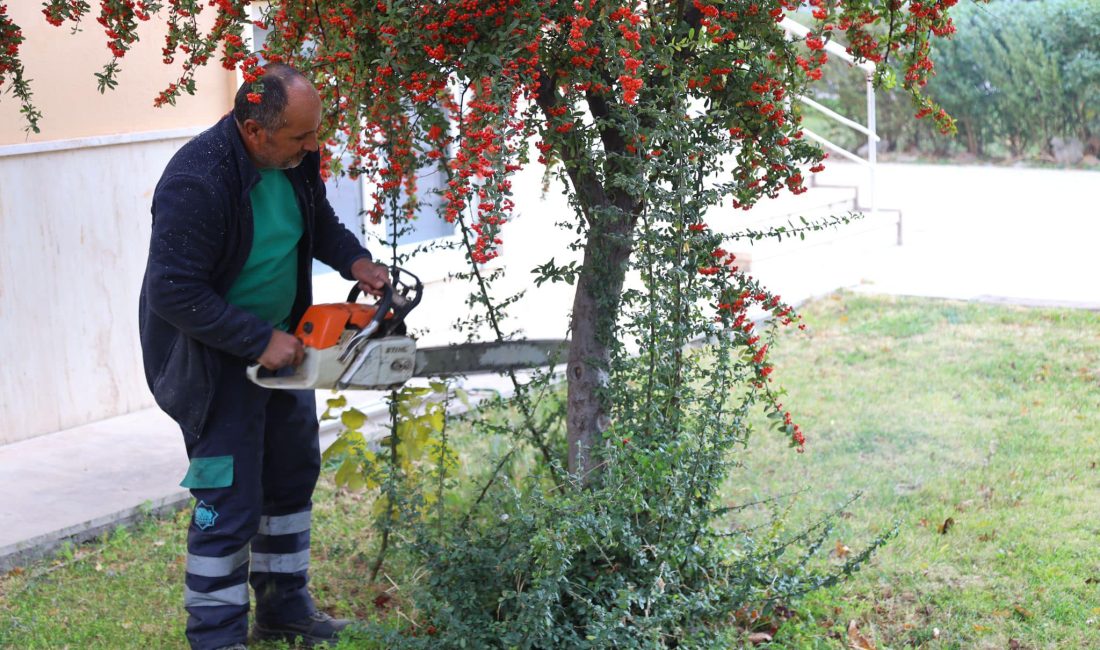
357	346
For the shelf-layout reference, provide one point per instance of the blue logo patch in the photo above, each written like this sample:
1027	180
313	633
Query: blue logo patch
205	515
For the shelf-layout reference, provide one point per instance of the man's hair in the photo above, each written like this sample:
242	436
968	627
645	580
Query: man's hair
269	112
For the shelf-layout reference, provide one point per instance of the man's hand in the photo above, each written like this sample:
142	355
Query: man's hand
282	350
372	277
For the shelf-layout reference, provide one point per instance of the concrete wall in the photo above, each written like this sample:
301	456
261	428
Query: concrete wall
74	219
75	230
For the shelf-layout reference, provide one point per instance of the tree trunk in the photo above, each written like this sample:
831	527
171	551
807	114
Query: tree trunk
611	216
595	307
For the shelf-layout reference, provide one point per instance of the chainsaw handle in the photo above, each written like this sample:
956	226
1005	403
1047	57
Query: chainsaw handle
269	380
305	375
382	307
253	372
401	294
353	295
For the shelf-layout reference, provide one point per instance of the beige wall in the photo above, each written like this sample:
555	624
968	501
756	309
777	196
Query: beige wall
62	66
75	229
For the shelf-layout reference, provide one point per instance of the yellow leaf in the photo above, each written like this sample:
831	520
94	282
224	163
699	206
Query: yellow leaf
355	482
337	402
355	440
435	419
353	418
338	446
347	469
379	506
841	551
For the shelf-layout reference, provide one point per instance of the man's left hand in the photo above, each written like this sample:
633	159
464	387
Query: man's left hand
372	277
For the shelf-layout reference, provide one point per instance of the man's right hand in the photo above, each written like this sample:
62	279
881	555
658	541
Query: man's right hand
282	350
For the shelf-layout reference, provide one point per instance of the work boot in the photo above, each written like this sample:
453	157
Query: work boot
316	628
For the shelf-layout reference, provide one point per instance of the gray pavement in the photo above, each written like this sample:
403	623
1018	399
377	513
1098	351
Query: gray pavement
1013	236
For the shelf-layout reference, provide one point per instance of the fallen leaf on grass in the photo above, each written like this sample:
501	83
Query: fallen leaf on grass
923	523
946	525
1092	580
1022	612
856	640
841	551
759	637
987	537
382	600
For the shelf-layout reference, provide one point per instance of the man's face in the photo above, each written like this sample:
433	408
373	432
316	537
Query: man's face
286	146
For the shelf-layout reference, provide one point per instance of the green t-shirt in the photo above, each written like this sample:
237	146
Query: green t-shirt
268	283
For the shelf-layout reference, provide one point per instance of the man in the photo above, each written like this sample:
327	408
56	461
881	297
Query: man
238	215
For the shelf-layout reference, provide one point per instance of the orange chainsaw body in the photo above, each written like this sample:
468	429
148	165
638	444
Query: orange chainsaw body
322	326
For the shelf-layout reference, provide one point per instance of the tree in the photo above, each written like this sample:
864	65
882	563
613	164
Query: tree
613	91
657	117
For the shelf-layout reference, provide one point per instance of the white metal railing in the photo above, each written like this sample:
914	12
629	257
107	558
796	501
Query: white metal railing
796	30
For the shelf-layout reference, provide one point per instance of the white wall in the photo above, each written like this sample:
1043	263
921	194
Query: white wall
74	232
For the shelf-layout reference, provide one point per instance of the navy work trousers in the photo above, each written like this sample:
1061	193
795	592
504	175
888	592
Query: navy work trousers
251	523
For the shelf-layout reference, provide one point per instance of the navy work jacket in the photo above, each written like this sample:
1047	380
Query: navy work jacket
202	235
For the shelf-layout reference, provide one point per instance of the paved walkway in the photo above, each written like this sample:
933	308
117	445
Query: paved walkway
1019	236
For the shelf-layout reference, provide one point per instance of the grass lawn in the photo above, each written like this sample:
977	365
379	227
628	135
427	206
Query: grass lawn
974	427
977	429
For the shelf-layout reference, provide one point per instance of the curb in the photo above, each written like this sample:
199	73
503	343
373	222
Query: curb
44	546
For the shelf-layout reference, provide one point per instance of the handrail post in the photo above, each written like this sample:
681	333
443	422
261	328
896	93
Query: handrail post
872	144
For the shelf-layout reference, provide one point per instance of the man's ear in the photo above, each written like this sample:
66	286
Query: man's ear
252	130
